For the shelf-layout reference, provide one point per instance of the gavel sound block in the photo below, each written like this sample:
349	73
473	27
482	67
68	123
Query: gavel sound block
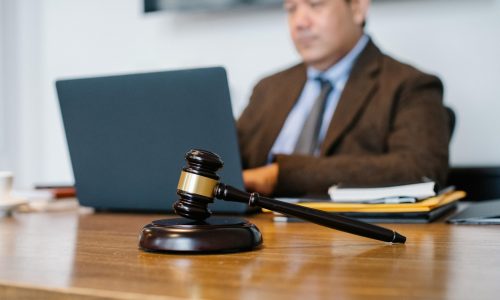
198	232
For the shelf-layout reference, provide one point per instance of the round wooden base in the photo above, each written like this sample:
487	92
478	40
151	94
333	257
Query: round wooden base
215	234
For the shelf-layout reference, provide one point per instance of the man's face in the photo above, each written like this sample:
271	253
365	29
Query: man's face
323	31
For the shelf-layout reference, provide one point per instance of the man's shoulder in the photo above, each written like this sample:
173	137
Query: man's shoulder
295	73
390	70
402	71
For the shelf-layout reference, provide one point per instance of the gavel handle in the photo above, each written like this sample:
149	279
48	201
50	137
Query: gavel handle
331	220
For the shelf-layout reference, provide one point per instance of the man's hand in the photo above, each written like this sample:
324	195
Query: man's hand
261	180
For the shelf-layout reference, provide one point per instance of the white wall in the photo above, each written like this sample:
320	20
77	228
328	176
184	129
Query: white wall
21	92
3	155
457	40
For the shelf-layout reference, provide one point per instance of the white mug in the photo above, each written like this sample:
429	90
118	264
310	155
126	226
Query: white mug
6	180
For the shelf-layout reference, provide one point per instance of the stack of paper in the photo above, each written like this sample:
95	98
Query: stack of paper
422	211
409	193
421	206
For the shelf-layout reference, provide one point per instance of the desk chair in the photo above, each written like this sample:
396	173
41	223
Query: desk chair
451	120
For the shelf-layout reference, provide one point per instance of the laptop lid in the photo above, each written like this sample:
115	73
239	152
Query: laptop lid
487	212
128	134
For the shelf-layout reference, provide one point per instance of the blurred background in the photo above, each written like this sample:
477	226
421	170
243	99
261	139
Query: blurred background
45	40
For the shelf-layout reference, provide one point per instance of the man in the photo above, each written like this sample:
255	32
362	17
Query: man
348	114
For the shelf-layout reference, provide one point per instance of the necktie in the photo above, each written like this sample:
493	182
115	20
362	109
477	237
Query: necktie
308	140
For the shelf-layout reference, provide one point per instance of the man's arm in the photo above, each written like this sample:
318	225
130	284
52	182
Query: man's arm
248	122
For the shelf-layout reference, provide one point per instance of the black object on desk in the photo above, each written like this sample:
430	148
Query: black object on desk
481	182
199	185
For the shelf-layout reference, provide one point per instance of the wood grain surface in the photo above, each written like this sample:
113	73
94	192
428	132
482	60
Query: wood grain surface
72	255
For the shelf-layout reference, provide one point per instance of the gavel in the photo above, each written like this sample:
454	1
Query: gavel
199	185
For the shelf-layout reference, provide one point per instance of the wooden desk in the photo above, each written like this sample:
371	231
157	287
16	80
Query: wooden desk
95	256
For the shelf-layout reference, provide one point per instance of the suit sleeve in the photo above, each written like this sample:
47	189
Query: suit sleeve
247	123
417	146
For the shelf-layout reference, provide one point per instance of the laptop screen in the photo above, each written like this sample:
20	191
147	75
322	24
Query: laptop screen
128	134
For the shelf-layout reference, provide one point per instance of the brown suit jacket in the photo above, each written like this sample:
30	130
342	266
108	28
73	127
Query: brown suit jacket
389	127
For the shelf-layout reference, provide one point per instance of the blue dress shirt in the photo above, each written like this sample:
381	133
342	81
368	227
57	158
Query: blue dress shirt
338	75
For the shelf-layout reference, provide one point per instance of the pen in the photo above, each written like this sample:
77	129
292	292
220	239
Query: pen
392	200
447	189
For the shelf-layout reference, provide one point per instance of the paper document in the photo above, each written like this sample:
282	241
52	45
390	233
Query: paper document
393	194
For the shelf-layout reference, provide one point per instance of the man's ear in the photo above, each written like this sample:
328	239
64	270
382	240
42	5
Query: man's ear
360	10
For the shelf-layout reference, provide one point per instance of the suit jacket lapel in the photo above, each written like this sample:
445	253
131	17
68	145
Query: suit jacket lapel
357	91
286	95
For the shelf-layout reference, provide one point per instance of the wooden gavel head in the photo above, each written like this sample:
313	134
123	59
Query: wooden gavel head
197	183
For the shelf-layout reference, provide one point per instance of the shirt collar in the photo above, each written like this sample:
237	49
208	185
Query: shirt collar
343	67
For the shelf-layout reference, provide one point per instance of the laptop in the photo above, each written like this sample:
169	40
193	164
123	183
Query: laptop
128	136
483	213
